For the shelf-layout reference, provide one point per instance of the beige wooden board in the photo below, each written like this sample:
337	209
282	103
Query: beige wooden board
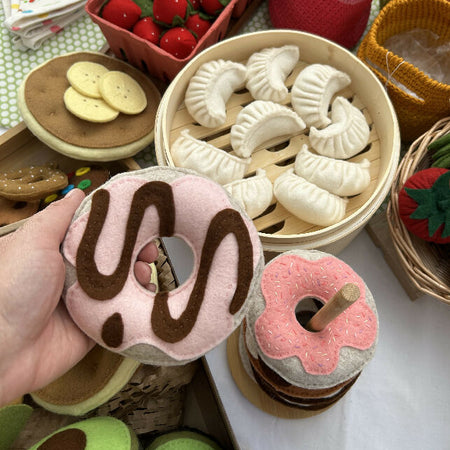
278	155
251	390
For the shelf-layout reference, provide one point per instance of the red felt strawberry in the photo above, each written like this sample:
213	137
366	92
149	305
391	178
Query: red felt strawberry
213	7
195	4
424	205
178	41
123	13
170	13
198	25
147	29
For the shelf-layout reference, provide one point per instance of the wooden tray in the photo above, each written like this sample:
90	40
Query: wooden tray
19	148
276	225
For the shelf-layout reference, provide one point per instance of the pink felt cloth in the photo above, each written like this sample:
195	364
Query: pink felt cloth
284	283
197	200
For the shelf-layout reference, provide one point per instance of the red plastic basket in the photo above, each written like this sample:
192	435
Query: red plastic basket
150	58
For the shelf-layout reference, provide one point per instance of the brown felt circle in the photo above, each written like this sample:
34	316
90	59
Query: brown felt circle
44	91
71	439
84	380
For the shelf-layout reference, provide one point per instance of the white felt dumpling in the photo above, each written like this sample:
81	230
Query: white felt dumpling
206	159
339	177
267	71
307	201
210	89
253	193
260	121
312	91
347	135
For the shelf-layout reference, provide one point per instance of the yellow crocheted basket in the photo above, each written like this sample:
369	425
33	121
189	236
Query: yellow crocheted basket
431	102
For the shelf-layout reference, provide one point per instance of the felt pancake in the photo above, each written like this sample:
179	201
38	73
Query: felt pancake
40	100
89	384
12	420
96	433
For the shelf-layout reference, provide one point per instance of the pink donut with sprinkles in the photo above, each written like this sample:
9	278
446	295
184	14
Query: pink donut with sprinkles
306	359
111	227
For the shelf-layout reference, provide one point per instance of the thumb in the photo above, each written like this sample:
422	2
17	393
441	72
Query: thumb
50	225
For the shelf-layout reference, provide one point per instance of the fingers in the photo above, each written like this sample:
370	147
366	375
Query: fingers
149	253
50	225
142	269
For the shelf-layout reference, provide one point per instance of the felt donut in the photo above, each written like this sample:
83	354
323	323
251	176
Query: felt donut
12	211
31	183
298	367
108	231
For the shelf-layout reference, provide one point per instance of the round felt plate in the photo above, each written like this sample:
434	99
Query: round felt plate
40	100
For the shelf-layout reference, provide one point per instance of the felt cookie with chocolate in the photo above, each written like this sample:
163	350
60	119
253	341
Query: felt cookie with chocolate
108	231
41	103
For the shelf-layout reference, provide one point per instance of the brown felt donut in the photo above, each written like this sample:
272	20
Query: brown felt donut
12	211
31	183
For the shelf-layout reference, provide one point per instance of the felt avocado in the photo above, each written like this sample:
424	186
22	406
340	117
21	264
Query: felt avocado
97	433
12	420
183	440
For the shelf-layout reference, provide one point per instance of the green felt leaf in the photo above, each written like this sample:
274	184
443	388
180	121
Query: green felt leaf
433	204
146	7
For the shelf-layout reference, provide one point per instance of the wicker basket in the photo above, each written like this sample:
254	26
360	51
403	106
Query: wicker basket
426	264
416	113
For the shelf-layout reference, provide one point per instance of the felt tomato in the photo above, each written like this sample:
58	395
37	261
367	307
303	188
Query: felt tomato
170	13
424	205
178	41
123	13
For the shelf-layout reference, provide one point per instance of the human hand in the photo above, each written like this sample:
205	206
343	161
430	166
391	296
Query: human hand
38	340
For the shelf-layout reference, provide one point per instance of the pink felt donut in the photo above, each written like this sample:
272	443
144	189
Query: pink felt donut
305	359
111	227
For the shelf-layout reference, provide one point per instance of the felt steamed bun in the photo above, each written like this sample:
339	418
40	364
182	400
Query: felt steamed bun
183	440
108	231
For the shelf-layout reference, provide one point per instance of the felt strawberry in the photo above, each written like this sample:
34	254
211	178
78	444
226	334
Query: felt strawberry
213	7
195	4
424	204
146	7
199	24
123	13
178	41
147	29
170	13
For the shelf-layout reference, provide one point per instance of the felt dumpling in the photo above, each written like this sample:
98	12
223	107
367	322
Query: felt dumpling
347	135
267	71
253	193
307	201
204	158
312	92
260	121
210	89
339	177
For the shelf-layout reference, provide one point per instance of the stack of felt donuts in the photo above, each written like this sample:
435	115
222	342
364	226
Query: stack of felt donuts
287	349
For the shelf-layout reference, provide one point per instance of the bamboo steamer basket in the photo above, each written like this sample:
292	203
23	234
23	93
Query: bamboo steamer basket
279	230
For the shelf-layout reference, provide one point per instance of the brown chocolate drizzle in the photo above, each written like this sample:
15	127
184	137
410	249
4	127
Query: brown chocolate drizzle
70	439
105	287
112	331
224	222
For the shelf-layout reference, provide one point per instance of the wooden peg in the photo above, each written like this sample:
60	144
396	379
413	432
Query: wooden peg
345	297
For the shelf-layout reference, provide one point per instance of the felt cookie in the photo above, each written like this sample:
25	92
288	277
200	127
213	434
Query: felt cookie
84	77
12	420
31	183
122	92
88	108
184	440
41	103
12	211
97	433
108	231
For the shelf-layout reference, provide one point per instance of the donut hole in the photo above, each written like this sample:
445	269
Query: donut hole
181	256
19	205
306	308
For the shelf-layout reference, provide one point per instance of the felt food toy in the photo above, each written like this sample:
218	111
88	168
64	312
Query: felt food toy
346	136
183	440
116	221
12	211
13	418
254	193
198	155
268	70
41	103
343	178
261	121
312	329
424	205
307	201
312	92
210	88
96	433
